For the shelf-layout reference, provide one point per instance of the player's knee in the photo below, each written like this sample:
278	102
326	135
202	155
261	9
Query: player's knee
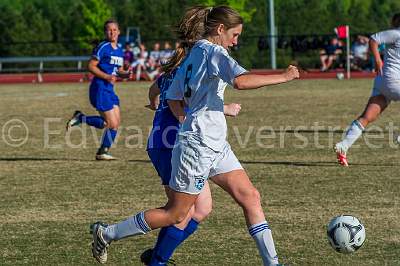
112	123
177	216
201	213
249	198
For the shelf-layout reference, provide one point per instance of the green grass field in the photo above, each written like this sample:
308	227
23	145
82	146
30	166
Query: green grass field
52	188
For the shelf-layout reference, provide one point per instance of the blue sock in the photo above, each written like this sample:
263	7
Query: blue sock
94	121
190	228
168	240
108	137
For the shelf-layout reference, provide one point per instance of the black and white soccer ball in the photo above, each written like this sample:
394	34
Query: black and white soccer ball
346	233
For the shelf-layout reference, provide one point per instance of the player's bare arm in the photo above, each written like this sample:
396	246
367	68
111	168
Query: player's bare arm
154	96
177	108
95	70
255	81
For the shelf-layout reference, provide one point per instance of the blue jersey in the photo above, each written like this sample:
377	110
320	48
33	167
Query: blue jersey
165	124
110	60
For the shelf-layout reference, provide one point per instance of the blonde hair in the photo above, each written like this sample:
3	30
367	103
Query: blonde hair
197	23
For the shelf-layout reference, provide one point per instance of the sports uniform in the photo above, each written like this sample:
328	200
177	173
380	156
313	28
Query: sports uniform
163	134
202	150
387	84
101	92
390	83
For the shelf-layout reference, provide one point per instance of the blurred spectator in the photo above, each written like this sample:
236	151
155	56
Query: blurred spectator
155	53
153	69
330	54
139	65
128	56
167	53
360	53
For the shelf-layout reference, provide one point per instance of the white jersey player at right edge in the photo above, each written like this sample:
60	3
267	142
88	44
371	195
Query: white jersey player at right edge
201	150
386	86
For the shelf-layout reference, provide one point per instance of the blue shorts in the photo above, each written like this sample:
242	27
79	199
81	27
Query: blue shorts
103	98
161	159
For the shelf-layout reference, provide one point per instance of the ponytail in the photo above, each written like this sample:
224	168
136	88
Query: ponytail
197	23
190	29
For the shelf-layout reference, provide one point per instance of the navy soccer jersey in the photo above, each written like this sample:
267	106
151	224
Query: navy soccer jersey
165	125
110	59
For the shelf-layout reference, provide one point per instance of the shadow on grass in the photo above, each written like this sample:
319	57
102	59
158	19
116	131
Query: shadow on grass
288	163
318	163
16	159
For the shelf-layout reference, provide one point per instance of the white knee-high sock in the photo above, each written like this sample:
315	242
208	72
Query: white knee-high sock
134	225
265	243
353	133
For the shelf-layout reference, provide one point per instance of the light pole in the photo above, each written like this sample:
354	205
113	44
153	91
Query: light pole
272	41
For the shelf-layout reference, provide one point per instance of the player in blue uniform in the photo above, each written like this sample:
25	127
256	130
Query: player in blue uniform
105	64
159	148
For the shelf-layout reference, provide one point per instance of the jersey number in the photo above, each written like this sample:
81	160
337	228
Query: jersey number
188	90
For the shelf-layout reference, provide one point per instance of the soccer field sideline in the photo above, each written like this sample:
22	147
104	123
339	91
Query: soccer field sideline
51	194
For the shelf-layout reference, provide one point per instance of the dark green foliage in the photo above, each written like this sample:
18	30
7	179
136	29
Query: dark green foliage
64	27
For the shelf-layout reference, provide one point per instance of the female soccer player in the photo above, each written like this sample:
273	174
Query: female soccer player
106	63
201	150
385	89
159	148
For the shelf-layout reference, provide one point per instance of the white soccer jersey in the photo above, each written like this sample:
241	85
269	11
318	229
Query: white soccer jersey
201	82
391	38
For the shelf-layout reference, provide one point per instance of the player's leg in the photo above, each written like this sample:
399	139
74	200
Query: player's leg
228	173
172	236
375	106
173	212
377	103
239	186
112	120
78	118
330	60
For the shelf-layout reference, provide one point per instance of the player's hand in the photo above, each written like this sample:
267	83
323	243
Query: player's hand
291	73
124	74
151	107
232	109
379	67
111	79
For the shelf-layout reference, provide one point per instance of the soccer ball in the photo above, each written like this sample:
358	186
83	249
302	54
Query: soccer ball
340	76
346	233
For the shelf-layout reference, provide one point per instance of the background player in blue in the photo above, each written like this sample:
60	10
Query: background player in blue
105	64
202	151
159	148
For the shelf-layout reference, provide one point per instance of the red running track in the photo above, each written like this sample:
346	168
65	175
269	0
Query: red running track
85	77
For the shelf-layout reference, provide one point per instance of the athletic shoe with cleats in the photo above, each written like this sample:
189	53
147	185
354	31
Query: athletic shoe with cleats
104	155
99	244
145	258
341	155
74	121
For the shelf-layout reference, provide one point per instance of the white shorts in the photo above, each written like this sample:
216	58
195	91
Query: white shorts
193	163
389	89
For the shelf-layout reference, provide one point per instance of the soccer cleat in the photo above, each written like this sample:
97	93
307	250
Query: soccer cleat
341	155
146	256
74	121
104	155
99	244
